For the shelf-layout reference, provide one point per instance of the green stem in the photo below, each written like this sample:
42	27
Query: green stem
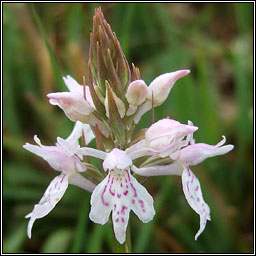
126	246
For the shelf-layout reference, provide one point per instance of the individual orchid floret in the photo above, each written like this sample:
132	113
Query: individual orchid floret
166	135
73	102
159	90
120	192
77	104
63	158
189	155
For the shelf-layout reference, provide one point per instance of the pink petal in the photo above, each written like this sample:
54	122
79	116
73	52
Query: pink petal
196	153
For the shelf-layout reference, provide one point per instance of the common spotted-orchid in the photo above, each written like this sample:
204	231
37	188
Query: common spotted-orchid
108	109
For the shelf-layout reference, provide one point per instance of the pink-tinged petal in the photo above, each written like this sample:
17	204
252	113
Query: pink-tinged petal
78	180
196	153
161	86
92	152
75	87
57	157
158	170
117	159
119	192
165	136
74	105
51	197
193	194
136	92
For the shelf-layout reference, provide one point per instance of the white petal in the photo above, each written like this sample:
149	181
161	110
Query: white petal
143	203
193	194
51	197
77	133
120	192
101	203
120	217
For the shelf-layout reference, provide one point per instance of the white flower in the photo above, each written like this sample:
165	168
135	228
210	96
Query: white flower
120	192
63	157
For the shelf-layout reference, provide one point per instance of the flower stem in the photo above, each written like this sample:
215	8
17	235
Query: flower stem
126	246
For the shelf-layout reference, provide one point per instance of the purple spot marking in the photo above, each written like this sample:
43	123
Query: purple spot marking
197	187
126	186
123	209
126	192
141	203
121	184
187	185
129	178
114	207
62	178
188	171
56	184
112	180
123	220
192	178
118	195
111	192
118	212
117	219
133	201
135	193
102	196
198	199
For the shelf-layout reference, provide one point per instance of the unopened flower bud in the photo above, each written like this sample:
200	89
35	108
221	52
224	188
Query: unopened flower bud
161	86
119	104
136	92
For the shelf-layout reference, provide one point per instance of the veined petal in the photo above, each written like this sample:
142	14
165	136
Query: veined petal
101	202
119	192
198	152
193	194
51	197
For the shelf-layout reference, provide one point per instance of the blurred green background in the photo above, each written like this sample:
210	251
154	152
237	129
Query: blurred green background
214	40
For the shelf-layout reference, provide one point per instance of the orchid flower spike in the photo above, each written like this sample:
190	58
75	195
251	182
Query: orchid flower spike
63	157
